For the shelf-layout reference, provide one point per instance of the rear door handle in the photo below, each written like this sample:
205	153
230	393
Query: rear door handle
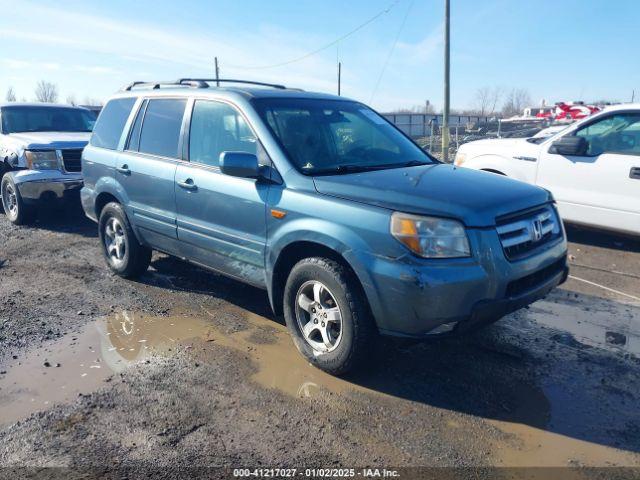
188	184
124	169
635	173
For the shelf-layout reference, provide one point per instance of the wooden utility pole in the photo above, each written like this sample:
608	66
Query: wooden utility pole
445	111
217	73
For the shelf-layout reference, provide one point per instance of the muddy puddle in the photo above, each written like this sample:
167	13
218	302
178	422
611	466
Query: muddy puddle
82	363
615	330
552	420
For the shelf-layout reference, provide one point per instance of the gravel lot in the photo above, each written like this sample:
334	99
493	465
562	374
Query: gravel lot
185	368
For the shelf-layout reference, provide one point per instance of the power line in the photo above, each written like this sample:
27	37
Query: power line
393	47
324	47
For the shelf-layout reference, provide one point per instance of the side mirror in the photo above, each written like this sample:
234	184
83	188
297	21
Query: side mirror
239	164
571	146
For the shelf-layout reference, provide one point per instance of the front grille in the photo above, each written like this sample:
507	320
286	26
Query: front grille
524	284
523	233
71	160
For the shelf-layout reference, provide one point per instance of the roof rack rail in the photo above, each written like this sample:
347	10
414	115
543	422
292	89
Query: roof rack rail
196	83
229	80
153	85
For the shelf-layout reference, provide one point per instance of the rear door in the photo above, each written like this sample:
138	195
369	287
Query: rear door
601	188
221	219
147	167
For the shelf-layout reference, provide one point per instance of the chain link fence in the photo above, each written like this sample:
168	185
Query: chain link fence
426	130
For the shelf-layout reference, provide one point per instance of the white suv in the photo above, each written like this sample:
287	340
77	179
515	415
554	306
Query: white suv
592	167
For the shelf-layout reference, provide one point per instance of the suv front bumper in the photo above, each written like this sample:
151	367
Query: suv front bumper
488	311
36	185
421	298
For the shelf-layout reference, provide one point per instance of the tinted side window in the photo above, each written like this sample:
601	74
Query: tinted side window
215	128
108	128
160	133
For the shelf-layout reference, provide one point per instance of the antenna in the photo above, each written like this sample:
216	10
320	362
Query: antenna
217	73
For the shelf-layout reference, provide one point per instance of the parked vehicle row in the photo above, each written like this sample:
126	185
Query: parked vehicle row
351	228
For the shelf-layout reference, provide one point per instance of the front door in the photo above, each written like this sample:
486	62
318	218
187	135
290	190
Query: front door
221	219
602	187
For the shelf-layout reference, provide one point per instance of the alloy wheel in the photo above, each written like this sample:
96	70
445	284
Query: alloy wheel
319	316
115	241
10	200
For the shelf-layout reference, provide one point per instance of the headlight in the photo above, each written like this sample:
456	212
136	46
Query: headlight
46	160
430	237
460	158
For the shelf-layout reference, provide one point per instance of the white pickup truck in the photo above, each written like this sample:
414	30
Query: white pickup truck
592	167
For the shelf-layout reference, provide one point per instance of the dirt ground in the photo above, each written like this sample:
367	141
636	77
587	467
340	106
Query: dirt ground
186	369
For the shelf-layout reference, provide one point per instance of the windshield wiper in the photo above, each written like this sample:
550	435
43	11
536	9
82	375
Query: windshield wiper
355	168
413	163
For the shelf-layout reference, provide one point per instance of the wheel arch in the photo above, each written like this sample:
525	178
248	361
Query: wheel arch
493	170
101	201
106	190
498	164
291	254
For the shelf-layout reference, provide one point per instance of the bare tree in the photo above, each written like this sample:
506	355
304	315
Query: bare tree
46	92
516	101
482	100
11	95
487	99
93	102
71	100
496	96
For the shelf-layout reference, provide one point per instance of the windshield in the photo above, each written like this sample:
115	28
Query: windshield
333	136
46	119
546	133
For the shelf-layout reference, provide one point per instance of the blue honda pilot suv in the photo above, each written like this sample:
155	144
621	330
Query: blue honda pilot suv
351	228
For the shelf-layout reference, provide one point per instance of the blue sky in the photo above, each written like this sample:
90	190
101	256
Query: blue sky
556	49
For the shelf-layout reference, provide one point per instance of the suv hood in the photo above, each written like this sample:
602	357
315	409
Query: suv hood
476	198
52	140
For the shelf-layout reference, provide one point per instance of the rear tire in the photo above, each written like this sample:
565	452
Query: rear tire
328	315
124	255
14	207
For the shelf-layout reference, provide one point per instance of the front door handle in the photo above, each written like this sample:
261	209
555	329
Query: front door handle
188	184
635	173
124	169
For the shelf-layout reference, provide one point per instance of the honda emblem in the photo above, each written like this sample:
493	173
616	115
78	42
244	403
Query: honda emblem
536	230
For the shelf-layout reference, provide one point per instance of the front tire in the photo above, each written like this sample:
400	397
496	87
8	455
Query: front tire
125	256
14	207
327	315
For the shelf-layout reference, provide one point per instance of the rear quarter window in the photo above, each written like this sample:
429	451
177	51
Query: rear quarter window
108	128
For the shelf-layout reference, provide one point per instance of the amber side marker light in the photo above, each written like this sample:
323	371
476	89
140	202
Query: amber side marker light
278	213
407	233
